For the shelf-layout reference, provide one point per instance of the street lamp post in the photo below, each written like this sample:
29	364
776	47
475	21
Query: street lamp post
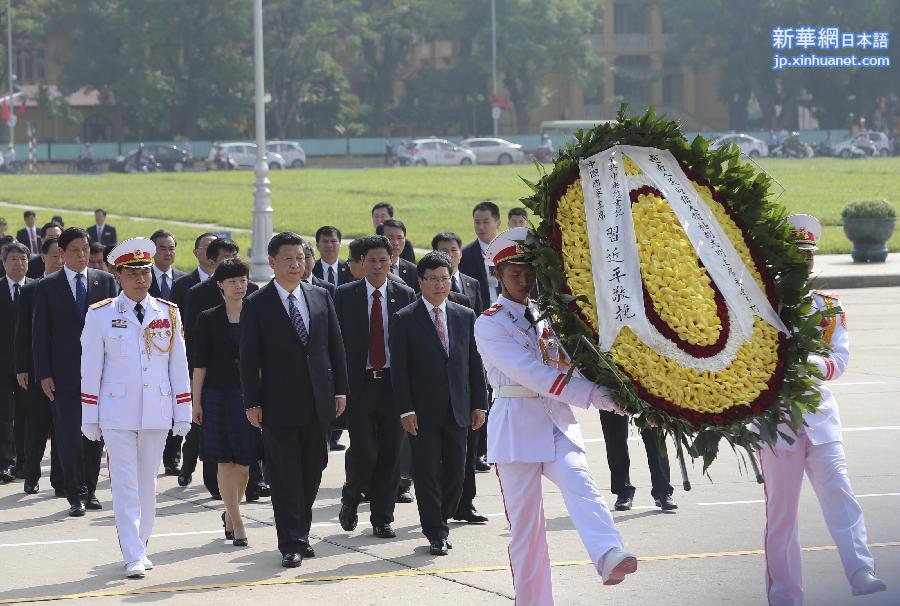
9	51
262	207
494	113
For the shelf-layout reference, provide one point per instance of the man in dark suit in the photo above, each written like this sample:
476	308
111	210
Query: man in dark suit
383	211
308	276
60	304
39	418
439	388
294	382
451	244
202	272
164	274
102	232
28	235
329	267
366	309
12	396
395	231
36	263
486	216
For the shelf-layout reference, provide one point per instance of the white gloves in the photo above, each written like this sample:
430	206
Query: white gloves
91	431
181	428
601	399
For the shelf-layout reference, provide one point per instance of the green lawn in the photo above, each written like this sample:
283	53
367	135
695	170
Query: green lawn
427	199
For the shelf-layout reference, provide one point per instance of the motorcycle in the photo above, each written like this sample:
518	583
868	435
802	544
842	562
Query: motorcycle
221	162
543	154
792	147
83	165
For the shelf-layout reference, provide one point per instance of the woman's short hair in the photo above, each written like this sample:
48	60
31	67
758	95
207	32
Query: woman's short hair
231	268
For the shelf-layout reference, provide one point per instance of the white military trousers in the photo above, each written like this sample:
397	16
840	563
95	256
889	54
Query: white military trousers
133	458
520	486
826	466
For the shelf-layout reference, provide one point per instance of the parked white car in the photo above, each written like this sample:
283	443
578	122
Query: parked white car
880	141
494	151
244	155
293	154
753	147
439	152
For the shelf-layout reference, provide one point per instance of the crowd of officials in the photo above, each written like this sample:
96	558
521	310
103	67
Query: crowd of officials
355	323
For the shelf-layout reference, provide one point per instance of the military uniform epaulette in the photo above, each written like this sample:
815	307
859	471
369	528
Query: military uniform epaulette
166	302
490	311
102	303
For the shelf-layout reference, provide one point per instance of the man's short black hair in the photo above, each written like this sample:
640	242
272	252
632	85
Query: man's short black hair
231	268
354	249
199	239
488	206
385	205
220	244
47	226
30	213
445	236
162	233
327	230
100	210
391	223
517	212
96	247
106	250
285	238
14	247
58	219
70	234
46	243
432	260
373	242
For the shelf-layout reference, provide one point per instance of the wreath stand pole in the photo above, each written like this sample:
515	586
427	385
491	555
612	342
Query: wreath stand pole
755	465
679	454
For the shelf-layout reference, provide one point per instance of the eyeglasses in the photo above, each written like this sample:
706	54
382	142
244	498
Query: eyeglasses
438	280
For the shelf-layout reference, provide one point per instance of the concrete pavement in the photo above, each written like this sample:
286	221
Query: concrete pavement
708	553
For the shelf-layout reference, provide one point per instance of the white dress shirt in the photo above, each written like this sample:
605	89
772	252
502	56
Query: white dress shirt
70	277
12	286
203	275
384	317
299	303
334	268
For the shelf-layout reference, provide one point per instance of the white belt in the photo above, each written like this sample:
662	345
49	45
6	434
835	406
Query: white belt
516	391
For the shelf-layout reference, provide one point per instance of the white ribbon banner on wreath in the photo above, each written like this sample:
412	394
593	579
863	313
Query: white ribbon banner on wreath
614	253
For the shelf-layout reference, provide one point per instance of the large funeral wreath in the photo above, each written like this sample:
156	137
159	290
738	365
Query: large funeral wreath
764	379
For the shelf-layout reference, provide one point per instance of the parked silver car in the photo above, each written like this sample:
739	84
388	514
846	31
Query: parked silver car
439	152
293	154
753	147
244	155
494	151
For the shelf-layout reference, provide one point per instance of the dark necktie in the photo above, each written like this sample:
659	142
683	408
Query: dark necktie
139	312
15	292
394	269
34	247
529	315
455	285
297	319
80	295
377	357
165	290
330	277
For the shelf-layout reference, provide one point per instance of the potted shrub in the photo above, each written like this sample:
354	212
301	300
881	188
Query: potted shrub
869	224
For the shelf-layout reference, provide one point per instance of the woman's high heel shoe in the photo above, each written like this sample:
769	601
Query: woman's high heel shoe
240	542
229	535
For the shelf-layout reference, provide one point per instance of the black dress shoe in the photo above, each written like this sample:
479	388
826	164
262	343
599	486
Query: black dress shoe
184	479
405	497
348	517
307	551
76	510
336	446
172	471
262	489
384	532
291	560
32	488
438	548
667	503
7	475
92	503
251	497
624	503
215	496
481	465
470	516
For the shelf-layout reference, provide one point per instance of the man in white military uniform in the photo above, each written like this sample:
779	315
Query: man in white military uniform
134	385
818	450
533	432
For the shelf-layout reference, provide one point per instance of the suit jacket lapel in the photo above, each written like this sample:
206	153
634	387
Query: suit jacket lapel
311	306
62	285
278	309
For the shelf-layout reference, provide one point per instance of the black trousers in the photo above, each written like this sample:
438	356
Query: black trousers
38	427
466	501
296	457
615	432
172	452
406	464
12	423
79	456
376	438
439	460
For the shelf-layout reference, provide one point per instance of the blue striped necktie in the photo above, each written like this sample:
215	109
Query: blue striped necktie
297	319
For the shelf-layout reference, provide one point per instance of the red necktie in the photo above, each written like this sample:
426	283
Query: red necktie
33	238
377	357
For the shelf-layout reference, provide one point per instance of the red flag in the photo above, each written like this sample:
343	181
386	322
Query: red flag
4	111
22	109
498	101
